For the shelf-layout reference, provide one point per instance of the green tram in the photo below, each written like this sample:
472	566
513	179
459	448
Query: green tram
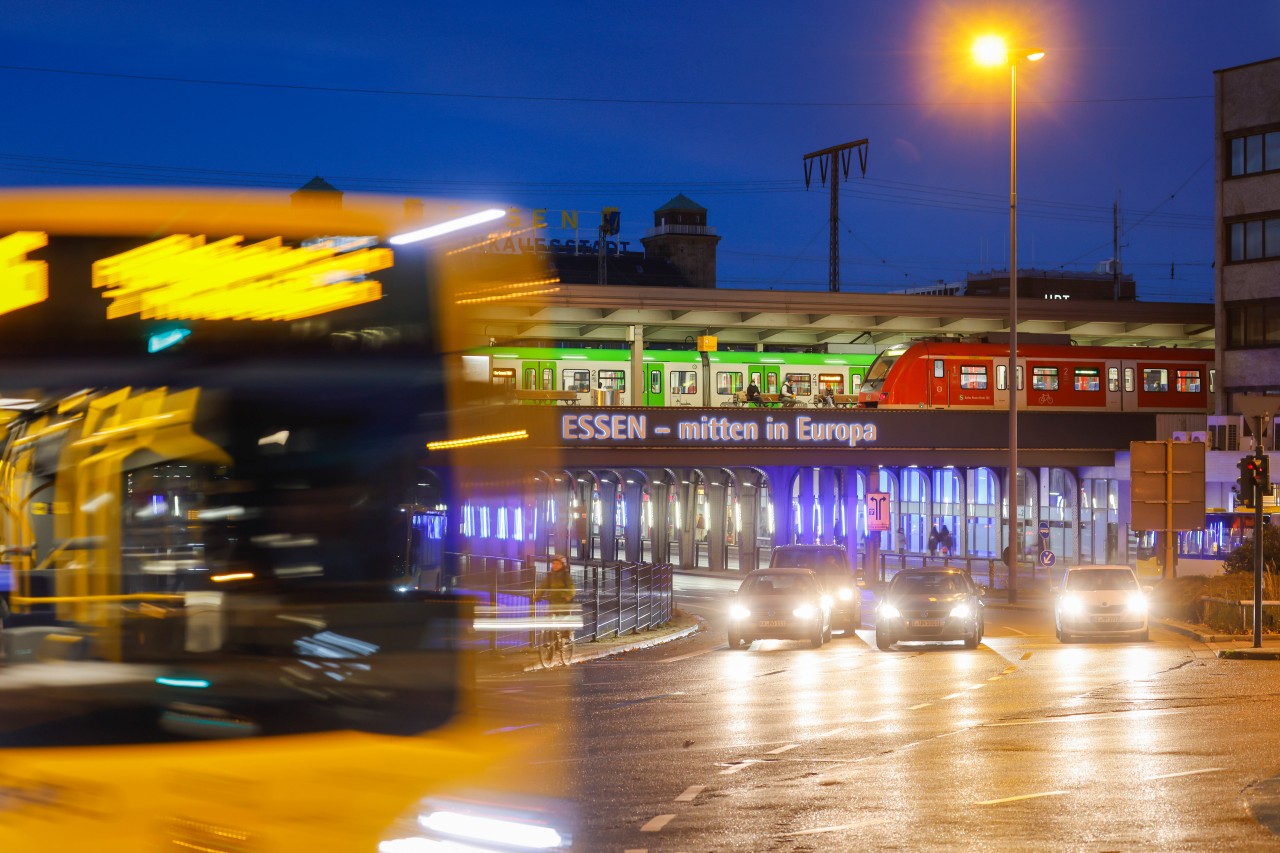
671	377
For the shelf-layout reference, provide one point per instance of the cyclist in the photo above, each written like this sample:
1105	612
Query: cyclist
556	587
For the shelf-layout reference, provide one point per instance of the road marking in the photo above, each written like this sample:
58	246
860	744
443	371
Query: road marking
1085	718
921	705
689	793
741	765
953	696
1028	655
833	732
1015	630
782	749
1009	669
1183	773
657	823
980	686
636	850
995	678
879	719
695	654
825	829
1021	797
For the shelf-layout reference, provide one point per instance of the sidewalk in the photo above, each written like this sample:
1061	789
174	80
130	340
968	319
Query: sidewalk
1227	646
526	660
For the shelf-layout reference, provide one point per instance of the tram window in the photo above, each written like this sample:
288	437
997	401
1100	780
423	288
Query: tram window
529	373
939	369
684	382
1044	379
612	380
1155	379
1087	379
830	383
973	377
1128	379
655	381
755	378
855	382
1002	377
548	378
771	383
801	383
1113	379
1187	381
577	380
728	381
504	376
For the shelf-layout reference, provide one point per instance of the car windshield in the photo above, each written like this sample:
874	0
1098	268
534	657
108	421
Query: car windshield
808	558
1100	579
933	583
779	584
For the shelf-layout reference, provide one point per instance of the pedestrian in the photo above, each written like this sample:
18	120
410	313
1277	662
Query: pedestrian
700	526
934	537
753	392
945	541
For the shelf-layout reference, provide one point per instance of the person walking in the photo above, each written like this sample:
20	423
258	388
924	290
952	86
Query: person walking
945	541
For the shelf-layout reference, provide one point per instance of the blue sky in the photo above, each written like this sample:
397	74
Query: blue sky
578	106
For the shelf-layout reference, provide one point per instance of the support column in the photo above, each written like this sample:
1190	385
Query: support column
849	500
749	503
805	535
780	480
828	506
660	499
685	535
639	376
716	544
608	518
632	497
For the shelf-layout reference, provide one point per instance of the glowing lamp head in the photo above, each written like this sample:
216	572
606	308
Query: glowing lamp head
991	50
1035	55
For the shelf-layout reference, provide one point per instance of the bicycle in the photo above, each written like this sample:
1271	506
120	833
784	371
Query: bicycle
555	643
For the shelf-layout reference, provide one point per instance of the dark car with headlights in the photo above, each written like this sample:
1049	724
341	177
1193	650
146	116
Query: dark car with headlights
780	604
831	564
930	605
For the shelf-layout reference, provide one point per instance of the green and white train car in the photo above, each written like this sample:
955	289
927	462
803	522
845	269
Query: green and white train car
674	377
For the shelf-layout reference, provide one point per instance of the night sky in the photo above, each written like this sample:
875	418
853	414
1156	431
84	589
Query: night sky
579	106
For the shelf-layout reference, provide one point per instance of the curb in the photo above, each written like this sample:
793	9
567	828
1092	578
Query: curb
1249	654
583	651
1193	632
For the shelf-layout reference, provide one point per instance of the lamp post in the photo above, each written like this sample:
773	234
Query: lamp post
992	50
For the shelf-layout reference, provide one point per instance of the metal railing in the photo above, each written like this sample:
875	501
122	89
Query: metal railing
991	572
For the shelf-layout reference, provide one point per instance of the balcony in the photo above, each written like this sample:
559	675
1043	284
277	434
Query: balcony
697	230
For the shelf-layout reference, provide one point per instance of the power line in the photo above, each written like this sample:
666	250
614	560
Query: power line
480	96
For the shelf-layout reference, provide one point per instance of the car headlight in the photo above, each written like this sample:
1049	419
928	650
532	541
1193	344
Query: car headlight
805	611
889	611
1071	605
960	611
845	594
1136	603
737	611
826	601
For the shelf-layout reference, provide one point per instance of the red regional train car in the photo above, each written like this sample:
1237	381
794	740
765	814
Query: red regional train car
956	375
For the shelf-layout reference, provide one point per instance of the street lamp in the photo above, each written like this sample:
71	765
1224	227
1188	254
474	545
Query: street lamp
992	51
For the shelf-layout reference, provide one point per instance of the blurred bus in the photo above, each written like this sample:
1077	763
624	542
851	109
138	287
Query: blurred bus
220	537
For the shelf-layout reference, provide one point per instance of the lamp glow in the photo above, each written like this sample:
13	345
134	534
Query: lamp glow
990	50
448	227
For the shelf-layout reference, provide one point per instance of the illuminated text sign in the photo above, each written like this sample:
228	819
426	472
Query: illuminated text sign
22	282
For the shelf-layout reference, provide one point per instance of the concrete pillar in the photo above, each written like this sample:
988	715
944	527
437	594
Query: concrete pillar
660	499
639	376
805	535
716	543
608	547
828	505
632	497
687	489
849	501
749	502
780	481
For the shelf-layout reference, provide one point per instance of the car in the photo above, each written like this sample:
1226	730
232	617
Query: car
780	604
831	564
1101	601
923	605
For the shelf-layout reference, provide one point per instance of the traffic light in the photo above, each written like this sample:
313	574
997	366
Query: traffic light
1246	485
1262	475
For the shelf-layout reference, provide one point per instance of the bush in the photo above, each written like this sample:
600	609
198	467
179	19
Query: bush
1179	598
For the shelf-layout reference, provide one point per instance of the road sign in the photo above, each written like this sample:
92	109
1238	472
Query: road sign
1044	530
877	511
1047	558
1167	485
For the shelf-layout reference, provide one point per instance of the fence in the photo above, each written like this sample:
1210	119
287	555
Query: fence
616	598
988	571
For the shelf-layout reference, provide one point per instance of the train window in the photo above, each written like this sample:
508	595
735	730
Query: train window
1128	379
548	378
1002	377
1187	381
755	378
1019	377
855	382
1044	379
830	383
801	384
728	381
771	383
1211	377
577	380
613	380
684	382
1087	379
973	377
655	381
529	374
939	369
505	376
1113	379
1155	379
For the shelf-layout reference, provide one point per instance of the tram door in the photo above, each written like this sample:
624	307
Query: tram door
654	393
537	375
771	384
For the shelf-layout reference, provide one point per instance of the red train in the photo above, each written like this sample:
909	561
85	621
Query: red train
955	375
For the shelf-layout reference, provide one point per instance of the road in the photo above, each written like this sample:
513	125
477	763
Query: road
1021	744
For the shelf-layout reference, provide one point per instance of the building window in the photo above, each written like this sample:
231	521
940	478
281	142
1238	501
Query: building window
1155	379
973	377
1044	379
801	384
577	380
1257	152
728	382
1254	239
684	382
1113	379
1252	324
1186	381
1087	379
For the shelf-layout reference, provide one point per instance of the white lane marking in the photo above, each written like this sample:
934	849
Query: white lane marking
1021	797
980	686
1183	773
1085	718
921	705
657	823
953	696
833	732
1014	630
822	829
742	765
782	749
695	654
879	719
690	793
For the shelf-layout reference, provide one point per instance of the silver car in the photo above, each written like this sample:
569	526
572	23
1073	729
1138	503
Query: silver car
1101	601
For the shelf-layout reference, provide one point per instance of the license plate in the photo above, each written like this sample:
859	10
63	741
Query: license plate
928	623
1108	619
774	623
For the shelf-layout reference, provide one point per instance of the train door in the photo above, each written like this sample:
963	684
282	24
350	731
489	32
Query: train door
771	384
1128	386
537	375
653	393
1115	396
855	380
939	395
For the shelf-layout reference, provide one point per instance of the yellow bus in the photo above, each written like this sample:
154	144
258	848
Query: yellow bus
214	629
